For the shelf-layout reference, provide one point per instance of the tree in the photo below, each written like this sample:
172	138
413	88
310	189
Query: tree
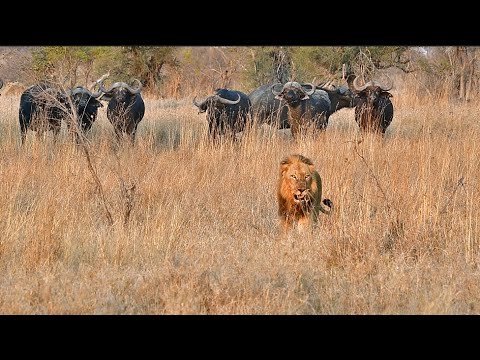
79	64
66	65
463	61
268	64
327	62
146	63
451	71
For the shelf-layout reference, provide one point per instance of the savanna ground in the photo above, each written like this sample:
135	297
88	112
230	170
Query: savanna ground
195	228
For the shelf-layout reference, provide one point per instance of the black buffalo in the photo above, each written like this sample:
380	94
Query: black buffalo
266	109
374	110
227	112
86	105
340	96
305	107
42	108
125	107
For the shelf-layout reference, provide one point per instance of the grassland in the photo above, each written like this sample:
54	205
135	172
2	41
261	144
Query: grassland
195	228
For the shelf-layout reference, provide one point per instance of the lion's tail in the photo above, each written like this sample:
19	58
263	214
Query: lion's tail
328	203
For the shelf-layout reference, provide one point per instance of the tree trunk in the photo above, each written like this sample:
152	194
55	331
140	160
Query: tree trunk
282	65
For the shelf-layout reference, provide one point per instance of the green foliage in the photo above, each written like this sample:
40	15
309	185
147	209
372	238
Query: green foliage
63	64
321	63
146	63
306	63
187	56
259	67
267	64
383	57
324	63
178	70
74	65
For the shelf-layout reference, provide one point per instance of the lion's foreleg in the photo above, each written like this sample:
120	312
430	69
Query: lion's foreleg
304	223
286	224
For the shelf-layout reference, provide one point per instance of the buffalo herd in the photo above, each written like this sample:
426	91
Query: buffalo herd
43	107
299	106
293	105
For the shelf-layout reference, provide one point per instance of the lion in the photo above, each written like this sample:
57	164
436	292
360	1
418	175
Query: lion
300	192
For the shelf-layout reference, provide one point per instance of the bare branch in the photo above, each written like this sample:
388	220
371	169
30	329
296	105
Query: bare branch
377	182
73	119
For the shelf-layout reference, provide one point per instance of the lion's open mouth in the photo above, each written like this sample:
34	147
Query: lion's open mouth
300	198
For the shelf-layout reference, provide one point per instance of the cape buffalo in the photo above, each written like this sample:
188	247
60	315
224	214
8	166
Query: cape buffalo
374	110
266	109
86	105
227	112
305	108
340	96
42	108
125	107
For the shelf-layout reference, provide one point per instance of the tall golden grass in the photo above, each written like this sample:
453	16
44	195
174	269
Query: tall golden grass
195	228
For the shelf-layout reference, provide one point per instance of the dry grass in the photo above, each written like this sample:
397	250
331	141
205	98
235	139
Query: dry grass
202	236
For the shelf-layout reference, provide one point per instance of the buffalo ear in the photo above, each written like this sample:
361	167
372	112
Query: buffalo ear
305	97
278	97
386	94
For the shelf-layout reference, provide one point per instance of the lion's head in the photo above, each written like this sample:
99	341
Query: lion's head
296	176
299	191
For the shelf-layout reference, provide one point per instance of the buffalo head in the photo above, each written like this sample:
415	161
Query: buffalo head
120	91
292	92
372	91
217	100
86	105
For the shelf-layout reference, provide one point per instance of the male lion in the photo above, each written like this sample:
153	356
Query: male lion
300	192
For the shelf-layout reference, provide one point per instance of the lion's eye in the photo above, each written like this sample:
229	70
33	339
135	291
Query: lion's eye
307	176
294	176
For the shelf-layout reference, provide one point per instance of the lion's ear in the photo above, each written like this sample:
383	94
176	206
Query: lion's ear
311	168
305	160
284	165
285	162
